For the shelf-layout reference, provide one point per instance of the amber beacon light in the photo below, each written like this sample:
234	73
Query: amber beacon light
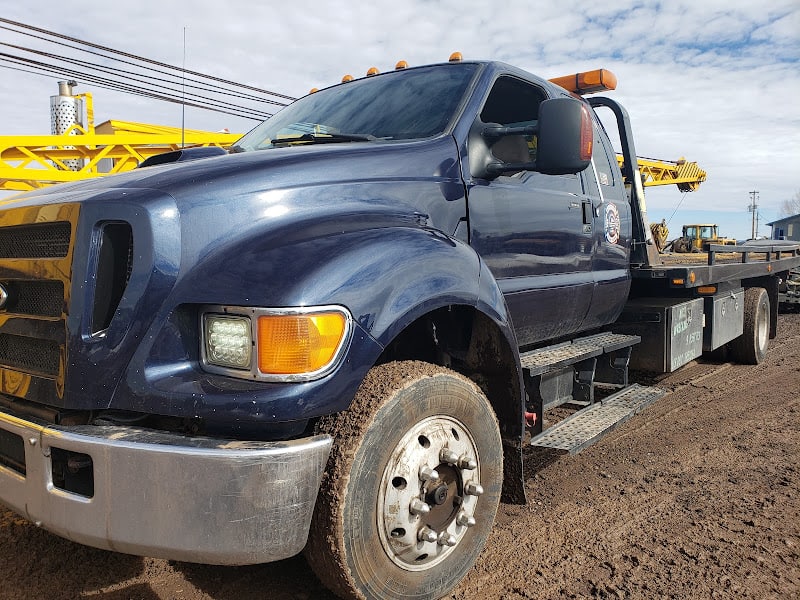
588	82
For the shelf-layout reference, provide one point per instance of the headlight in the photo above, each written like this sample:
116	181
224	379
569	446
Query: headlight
296	344
228	341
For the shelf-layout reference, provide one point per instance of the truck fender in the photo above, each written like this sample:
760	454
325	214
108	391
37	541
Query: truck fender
423	271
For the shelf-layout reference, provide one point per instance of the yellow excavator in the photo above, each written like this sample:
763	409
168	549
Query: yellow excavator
698	237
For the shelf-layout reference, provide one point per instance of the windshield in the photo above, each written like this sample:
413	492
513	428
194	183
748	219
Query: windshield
401	105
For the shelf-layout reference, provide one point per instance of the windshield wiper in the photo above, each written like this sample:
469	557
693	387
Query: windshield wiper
325	138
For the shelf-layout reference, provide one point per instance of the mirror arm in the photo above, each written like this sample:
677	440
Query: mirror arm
498	168
498	132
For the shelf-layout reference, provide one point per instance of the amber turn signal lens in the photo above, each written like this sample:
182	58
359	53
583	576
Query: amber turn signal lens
298	344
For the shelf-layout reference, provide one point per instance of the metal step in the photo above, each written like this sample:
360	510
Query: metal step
588	425
550	358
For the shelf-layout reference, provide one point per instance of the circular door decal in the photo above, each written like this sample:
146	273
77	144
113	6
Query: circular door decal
612	223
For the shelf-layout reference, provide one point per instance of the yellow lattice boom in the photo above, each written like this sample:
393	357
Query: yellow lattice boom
686	175
33	161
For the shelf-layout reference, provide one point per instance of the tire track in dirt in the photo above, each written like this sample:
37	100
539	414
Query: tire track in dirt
682	501
696	497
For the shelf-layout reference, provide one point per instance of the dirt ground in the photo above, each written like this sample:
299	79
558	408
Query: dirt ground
697	497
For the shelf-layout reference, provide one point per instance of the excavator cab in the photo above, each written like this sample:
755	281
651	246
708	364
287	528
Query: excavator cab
698	238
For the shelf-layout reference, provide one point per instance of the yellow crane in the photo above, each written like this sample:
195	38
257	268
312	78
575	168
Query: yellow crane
32	161
685	174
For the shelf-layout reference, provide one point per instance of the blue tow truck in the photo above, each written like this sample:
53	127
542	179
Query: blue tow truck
339	335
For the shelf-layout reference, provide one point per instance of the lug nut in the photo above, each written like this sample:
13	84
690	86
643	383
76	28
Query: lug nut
448	456
465	520
473	489
426	534
446	539
428	474
418	507
467	463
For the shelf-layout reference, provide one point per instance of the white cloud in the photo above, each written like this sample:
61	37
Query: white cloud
715	81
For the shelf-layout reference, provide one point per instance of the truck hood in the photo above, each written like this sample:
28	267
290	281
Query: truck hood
273	228
248	173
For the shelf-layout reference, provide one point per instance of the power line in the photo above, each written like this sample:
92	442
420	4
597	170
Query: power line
136	76
128	82
105	83
150	79
139	58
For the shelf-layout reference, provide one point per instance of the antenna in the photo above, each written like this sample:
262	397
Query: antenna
183	92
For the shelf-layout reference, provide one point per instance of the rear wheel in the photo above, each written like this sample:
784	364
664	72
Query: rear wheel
751	347
412	485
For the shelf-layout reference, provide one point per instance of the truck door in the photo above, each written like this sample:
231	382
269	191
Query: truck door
534	231
612	233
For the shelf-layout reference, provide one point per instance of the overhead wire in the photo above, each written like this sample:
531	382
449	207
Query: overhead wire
105	83
128	81
109	69
152	80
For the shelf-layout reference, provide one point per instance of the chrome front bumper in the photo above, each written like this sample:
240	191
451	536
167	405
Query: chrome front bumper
163	495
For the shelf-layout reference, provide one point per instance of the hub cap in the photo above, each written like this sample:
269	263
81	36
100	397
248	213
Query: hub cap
429	492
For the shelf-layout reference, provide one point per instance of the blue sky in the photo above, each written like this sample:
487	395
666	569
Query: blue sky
715	82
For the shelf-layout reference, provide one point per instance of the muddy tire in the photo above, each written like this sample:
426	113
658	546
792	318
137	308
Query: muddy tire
412	485
751	347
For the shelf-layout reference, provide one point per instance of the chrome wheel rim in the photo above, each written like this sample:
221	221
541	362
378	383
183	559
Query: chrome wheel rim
429	493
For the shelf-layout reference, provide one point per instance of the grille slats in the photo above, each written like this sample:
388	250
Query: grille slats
29	354
36	298
39	240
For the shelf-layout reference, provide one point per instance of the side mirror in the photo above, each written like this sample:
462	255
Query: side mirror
565	137
564	142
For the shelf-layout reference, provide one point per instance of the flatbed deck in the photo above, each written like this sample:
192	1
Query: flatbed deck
721	263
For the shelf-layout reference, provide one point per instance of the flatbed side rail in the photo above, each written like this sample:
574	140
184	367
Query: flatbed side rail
769	251
721	263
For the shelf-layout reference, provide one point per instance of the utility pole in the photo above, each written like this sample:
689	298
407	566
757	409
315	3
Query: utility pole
753	208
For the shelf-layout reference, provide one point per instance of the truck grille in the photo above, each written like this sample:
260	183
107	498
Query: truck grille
40	240
36	255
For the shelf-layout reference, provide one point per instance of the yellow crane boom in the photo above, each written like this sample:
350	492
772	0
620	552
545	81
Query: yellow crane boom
33	161
685	174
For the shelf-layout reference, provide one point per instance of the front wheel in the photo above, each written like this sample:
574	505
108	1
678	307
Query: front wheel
412	485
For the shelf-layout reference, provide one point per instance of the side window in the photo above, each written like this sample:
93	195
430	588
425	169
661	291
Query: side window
602	161
514	103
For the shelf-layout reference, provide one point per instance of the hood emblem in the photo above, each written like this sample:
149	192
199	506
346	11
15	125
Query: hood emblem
3	296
